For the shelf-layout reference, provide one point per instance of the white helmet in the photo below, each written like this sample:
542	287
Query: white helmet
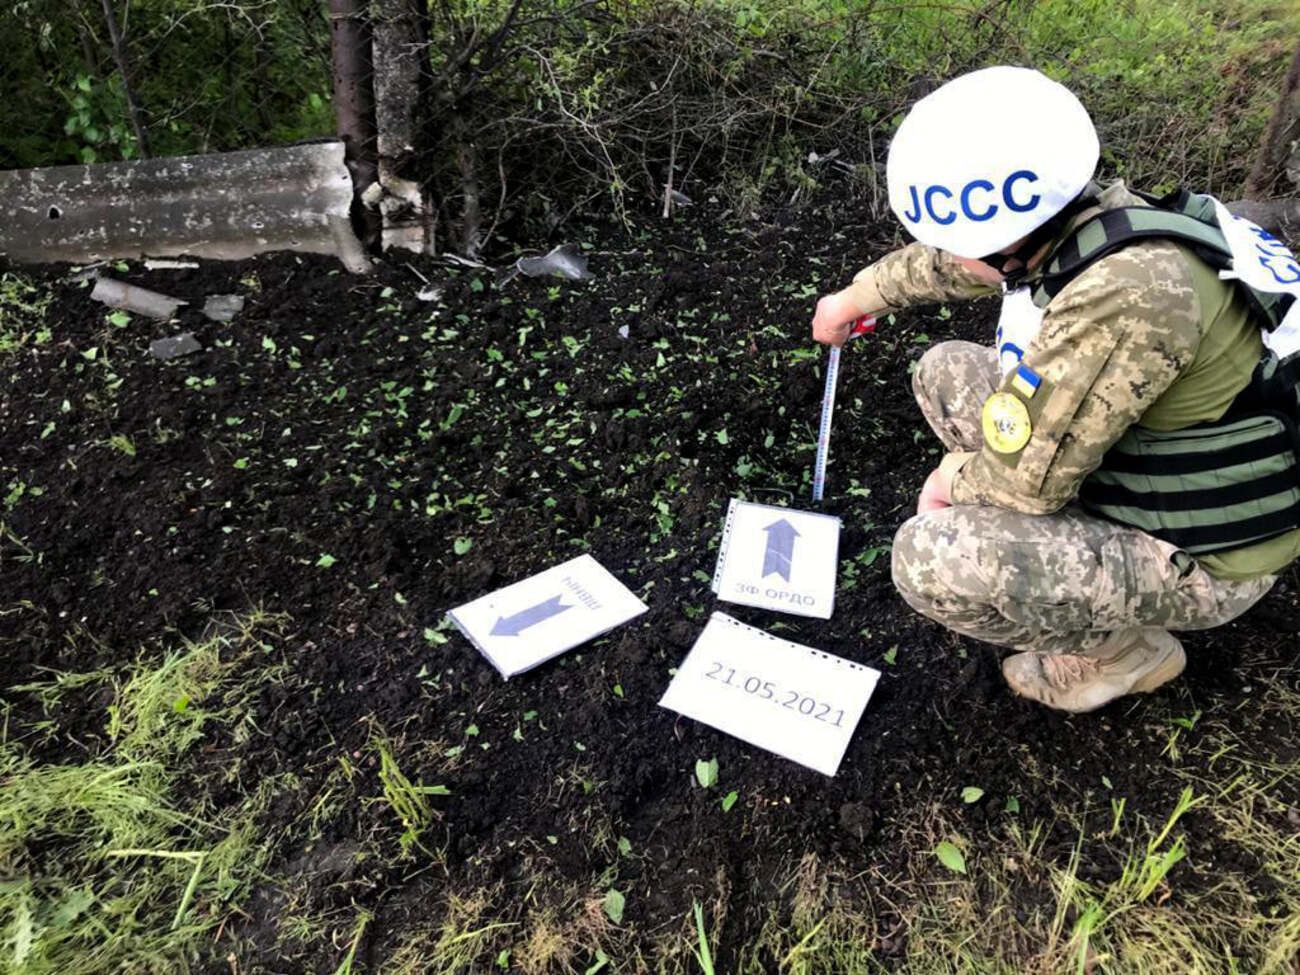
988	158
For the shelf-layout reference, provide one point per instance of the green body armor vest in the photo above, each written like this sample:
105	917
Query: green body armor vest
1214	486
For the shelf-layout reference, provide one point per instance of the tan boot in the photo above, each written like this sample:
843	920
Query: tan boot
1128	662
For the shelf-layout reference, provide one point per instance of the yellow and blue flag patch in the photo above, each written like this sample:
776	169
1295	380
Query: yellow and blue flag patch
1026	381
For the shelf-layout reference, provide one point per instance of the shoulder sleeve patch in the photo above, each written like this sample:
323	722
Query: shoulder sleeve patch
1007	427
1025	381
1013	415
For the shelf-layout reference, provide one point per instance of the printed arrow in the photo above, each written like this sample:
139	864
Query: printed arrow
780	548
522	620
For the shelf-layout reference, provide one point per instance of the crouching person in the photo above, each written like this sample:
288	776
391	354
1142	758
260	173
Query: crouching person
1121	462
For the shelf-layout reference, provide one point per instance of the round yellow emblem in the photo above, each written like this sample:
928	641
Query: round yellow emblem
1006	423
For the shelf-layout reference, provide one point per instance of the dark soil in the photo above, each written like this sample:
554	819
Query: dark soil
347	417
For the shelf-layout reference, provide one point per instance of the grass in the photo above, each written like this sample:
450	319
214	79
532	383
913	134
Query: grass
345	967
116	863
1023	909
408	800
702	953
1119	898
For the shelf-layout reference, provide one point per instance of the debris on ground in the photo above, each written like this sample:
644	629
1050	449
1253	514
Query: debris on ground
175	346
254	454
223	308
564	261
130	297
167	264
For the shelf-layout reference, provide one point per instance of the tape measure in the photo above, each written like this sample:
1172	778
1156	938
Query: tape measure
862	326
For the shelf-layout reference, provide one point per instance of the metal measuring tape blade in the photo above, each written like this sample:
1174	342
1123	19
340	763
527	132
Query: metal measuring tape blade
862	326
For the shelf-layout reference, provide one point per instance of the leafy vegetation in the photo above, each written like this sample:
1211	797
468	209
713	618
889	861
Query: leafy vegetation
408	800
625	105
744	98
207	76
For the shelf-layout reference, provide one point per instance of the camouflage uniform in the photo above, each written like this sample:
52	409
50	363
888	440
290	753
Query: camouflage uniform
1056	582
1014	562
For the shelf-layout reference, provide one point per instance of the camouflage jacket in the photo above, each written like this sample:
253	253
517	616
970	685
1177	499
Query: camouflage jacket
1114	342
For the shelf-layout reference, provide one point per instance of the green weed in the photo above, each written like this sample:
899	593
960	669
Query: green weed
702	953
706	773
345	966
23	308
409	800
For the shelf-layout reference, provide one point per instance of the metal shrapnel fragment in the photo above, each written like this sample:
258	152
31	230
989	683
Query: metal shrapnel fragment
223	308
175	346
142	301
565	261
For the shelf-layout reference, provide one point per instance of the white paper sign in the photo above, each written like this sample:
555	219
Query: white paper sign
790	699
522	625
778	558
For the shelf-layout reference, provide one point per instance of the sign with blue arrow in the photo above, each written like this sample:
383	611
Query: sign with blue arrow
780	548
540	617
522	620
778	558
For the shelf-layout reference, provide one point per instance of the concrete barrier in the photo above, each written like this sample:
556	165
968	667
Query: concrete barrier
226	206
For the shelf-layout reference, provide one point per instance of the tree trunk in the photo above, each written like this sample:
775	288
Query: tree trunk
354	106
1280	216
402	106
119	57
1277	167
401	74
471	210
89	51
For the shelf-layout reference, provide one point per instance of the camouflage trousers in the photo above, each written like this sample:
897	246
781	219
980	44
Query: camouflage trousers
1056	583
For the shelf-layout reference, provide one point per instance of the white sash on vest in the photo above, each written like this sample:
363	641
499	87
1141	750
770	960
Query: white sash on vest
1018	324
1262	261
1259	260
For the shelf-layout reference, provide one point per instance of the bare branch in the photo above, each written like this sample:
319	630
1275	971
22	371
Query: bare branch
119	57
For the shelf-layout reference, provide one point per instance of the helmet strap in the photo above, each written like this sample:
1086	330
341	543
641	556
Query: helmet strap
1034	243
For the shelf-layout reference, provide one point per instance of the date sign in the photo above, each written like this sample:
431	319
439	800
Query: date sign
778	558
798	702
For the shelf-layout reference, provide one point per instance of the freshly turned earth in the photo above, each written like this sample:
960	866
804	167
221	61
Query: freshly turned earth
346	417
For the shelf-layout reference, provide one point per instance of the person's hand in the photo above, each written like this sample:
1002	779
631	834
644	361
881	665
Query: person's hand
834	318
934	495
